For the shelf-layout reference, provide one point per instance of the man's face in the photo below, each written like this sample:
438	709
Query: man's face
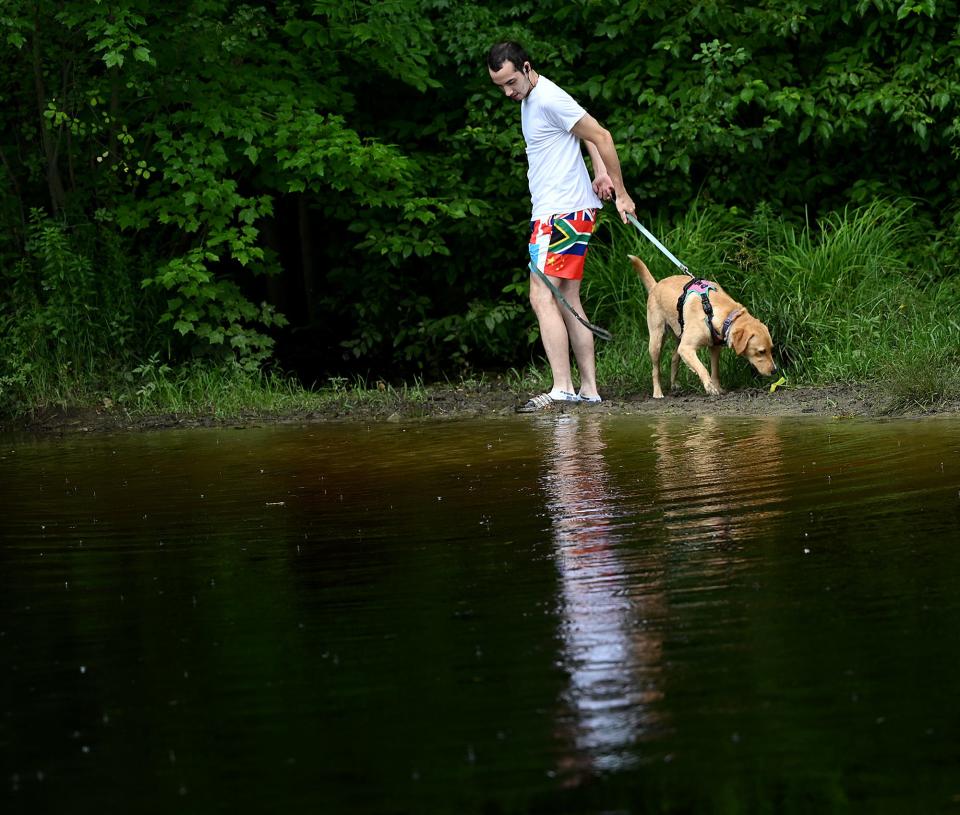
515	83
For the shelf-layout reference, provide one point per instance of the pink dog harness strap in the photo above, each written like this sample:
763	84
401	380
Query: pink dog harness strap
702	288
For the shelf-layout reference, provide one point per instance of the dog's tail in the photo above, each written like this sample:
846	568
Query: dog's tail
641	268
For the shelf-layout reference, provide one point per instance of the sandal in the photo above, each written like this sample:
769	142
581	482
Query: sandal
589	400
545	401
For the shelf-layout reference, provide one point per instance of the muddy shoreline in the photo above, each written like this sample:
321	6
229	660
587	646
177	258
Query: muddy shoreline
493	400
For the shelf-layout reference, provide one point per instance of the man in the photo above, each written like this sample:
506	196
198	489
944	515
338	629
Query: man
565	204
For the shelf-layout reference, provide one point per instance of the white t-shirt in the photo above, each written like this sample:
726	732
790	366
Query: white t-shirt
557	173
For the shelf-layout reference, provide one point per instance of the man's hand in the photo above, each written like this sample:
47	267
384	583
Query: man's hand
603	186
625	206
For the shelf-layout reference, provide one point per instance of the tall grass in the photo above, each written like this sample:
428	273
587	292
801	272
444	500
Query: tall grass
231	389
848	299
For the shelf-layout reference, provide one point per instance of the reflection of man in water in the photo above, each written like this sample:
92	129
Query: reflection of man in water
613	662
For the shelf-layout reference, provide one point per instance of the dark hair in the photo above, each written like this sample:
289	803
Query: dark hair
506	52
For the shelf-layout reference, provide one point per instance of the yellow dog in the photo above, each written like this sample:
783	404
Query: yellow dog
702	315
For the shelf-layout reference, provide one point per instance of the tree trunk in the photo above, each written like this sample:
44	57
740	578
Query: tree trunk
58	196
21	237
306	256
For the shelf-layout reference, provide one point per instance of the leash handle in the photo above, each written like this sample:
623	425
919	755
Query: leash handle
650	237
602	333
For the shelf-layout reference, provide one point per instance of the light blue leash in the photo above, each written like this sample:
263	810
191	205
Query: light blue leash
602	333
646	233
649	236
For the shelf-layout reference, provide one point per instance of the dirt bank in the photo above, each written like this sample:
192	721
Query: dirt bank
493	400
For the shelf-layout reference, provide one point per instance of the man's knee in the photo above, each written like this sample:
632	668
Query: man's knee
540	296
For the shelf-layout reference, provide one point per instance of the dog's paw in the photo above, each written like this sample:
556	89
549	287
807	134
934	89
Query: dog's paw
712	389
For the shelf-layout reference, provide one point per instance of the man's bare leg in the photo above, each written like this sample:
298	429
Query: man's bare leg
553	333
581	338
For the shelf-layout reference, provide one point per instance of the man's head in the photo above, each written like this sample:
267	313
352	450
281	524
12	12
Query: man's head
511	70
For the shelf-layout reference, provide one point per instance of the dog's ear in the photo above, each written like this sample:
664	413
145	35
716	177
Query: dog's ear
739	337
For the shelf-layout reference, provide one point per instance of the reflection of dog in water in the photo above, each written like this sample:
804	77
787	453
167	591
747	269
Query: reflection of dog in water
612	658
717	481
701	315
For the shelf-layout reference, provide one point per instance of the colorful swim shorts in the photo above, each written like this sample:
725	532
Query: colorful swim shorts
558	245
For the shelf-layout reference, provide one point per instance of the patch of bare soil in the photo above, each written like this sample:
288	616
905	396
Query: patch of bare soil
446	402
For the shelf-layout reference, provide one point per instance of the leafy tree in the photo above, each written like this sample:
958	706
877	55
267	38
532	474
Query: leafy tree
805	104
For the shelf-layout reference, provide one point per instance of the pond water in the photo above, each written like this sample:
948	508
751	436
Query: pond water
572	613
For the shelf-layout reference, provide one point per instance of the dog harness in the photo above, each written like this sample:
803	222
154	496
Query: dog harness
701	287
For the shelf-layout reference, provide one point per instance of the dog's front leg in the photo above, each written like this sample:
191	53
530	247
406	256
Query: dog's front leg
715	367
689	355
656	344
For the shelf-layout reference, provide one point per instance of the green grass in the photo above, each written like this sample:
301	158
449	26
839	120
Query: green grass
195	390
923	376
230	390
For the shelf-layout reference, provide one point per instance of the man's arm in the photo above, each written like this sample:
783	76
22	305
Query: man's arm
602	184
598	139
